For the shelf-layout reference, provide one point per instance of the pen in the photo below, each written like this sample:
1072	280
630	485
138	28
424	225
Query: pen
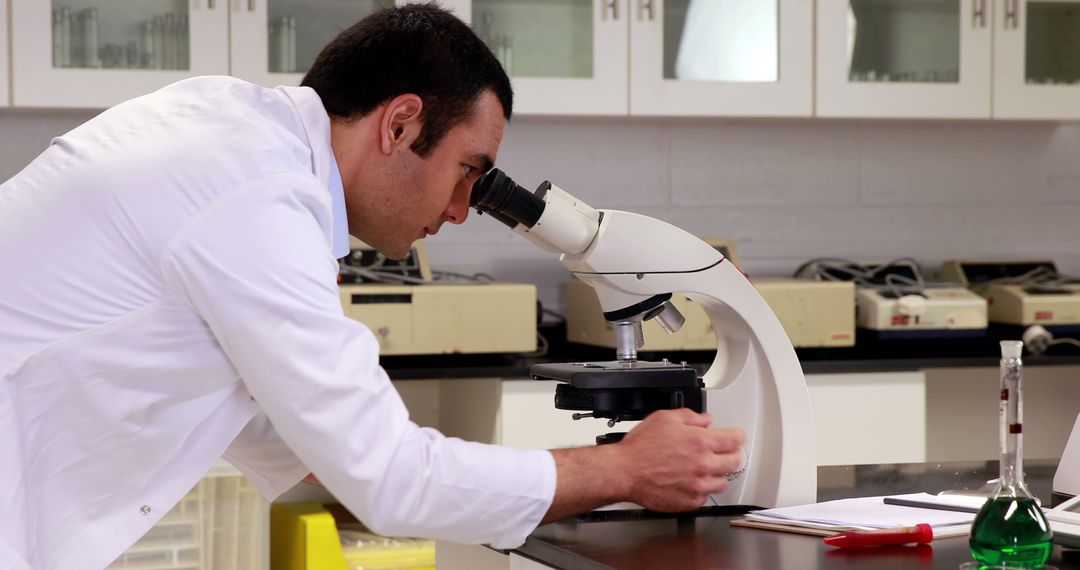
929	505
920	533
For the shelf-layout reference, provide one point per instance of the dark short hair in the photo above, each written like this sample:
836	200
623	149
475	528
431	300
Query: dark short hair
416	48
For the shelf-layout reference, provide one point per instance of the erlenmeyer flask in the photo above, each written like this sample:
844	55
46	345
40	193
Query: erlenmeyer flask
1010	529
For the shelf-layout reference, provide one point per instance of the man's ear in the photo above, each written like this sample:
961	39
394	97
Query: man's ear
401	122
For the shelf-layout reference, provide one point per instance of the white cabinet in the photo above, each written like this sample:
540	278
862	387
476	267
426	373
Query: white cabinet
1037	59
962	419
858	418
652	57
274	42
517	413
565	57
5	87
1013	59
454	556
731	58
85	53
872	417
904	58
1010	59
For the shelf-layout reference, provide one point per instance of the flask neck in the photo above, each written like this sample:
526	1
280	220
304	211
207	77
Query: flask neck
1011	429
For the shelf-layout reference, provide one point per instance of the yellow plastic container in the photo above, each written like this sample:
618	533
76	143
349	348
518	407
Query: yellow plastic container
305	536
367	551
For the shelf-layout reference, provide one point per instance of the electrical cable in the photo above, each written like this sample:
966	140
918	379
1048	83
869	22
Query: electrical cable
1064	340
399	275
382	276
824	260
542	346
870	277
474	278
551	313
1041	275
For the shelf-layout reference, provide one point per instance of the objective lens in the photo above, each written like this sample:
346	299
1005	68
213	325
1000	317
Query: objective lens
497	194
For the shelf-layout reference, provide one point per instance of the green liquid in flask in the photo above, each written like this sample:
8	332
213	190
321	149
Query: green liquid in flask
1011	532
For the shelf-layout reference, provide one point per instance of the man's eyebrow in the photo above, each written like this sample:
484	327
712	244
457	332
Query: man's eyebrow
485	161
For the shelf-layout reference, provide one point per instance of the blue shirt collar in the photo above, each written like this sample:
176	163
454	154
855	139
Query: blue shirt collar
340	227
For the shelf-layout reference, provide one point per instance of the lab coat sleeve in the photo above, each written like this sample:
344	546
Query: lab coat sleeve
265	459
257	268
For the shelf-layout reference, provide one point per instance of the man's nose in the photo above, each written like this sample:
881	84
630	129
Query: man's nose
458	208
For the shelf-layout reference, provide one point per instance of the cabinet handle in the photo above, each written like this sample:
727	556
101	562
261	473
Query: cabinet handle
978	14
251	5
646	6
1012	14
611	7
210	4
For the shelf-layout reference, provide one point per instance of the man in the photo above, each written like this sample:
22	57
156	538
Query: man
170	297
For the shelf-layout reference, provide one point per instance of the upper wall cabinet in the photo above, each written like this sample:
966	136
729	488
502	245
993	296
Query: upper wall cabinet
1013	59
5	87
904	58
1037	59
565	57
652	57
88	53
274	42
731	57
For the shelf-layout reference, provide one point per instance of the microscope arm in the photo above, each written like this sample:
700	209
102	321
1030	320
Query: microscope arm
635	263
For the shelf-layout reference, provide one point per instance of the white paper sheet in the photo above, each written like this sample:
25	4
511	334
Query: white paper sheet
862	513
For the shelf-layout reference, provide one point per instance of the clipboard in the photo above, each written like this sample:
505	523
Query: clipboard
939	532
786	527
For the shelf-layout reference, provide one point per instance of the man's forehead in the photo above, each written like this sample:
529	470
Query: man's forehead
482	132
477	137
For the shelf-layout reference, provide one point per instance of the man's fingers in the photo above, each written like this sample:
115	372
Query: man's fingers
723	463
692	418
726	440
716	484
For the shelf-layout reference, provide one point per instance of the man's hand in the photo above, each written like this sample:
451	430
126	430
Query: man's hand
676	462
670	462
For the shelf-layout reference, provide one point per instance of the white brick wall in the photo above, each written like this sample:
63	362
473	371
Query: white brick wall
785	190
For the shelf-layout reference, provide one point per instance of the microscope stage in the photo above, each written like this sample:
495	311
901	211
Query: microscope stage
618	375
623	390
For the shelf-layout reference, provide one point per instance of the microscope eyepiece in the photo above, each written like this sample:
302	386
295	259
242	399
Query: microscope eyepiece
497	194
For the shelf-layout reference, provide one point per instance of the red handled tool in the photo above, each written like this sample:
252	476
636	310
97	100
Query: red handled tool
920	533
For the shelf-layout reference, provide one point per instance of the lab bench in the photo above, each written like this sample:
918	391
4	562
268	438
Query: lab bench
868	355
710	542
884	407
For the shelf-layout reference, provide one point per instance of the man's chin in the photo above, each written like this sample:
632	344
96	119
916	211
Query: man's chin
396	253
391	250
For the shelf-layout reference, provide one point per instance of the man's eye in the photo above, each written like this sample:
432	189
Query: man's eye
466	169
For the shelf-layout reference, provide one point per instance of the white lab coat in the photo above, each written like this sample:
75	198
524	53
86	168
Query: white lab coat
169	296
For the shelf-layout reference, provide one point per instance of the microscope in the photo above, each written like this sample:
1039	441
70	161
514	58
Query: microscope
635	263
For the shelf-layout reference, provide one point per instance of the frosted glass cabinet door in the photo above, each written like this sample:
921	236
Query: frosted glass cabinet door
274	42
5	87
904	58
565	57
96	53
1037	59
721	57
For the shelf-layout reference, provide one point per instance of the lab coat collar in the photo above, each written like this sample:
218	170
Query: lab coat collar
316	122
